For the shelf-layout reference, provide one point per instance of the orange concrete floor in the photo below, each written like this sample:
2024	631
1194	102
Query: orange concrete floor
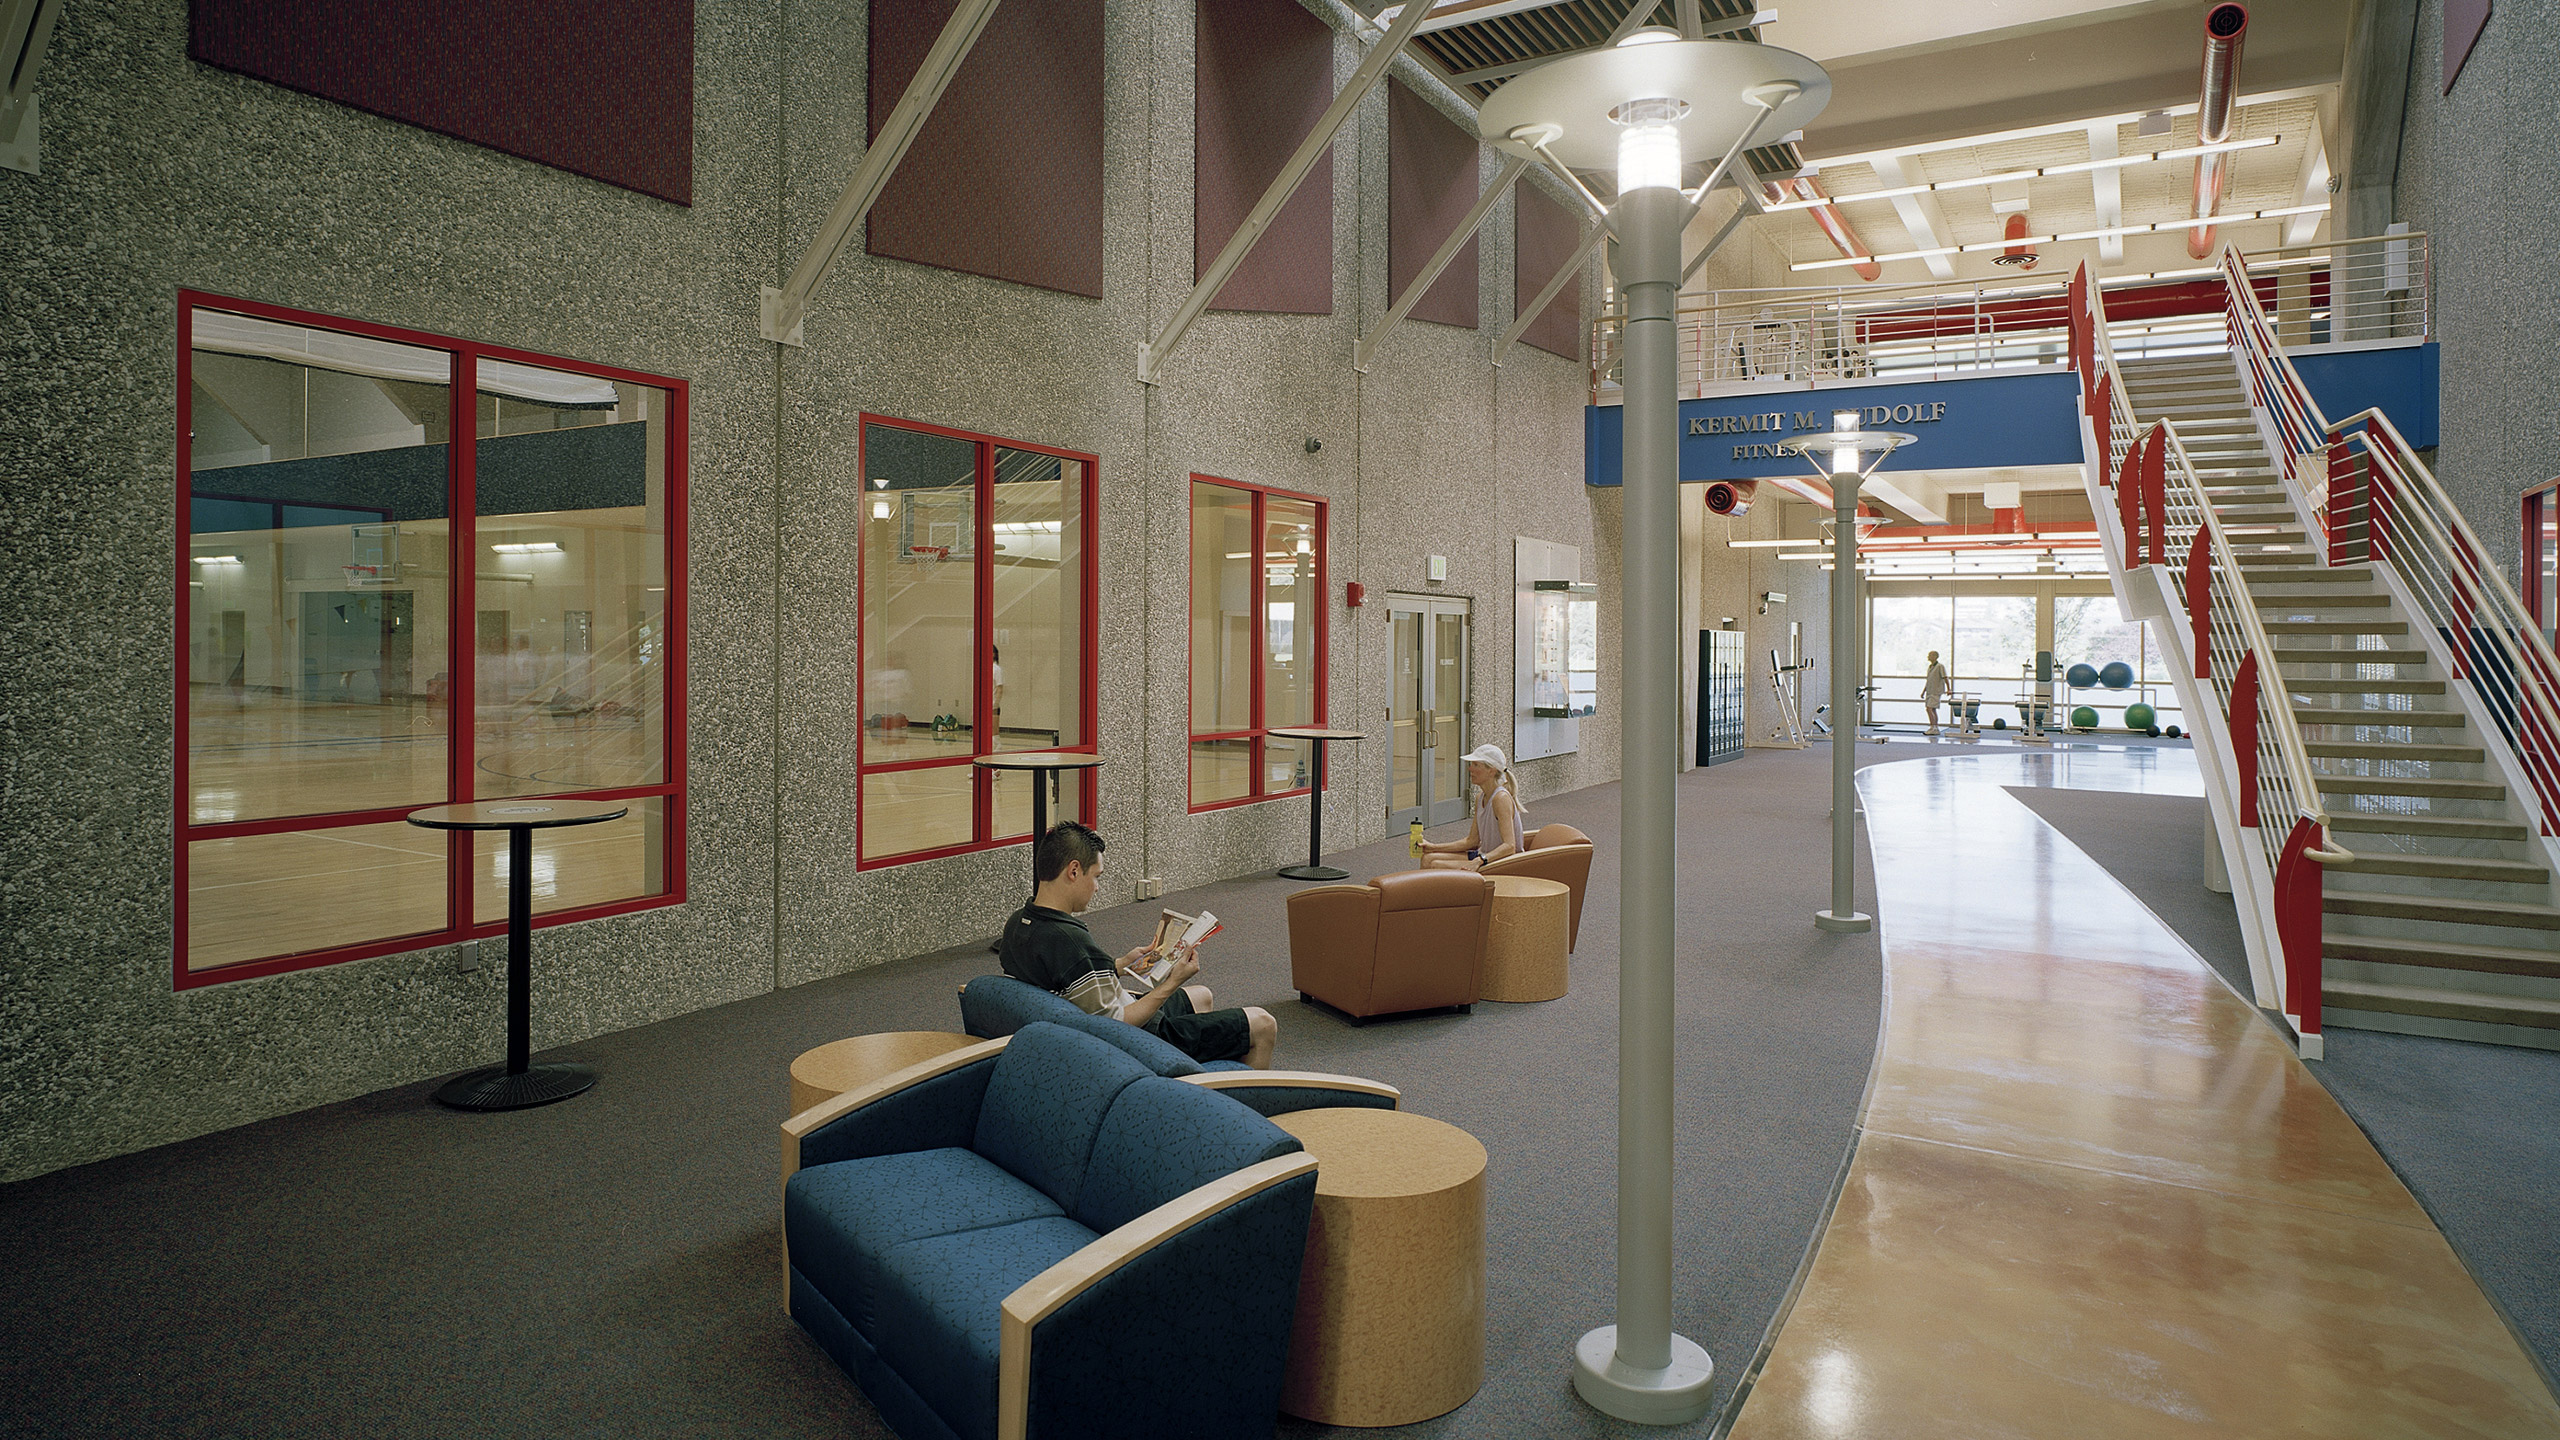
2095	1194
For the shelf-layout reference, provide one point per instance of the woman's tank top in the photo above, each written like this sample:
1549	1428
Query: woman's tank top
1486	838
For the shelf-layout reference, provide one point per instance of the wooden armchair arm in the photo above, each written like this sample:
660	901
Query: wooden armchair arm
1348	1085
827	1111
1043	1294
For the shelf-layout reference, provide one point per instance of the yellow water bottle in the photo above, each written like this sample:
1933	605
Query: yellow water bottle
1416	841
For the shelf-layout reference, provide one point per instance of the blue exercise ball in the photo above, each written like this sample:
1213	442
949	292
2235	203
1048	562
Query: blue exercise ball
2175	733
2116	676
2080	677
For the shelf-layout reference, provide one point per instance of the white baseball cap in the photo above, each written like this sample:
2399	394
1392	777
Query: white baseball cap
1486	755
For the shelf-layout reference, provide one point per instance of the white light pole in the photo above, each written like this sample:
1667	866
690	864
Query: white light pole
1847	446
1648	107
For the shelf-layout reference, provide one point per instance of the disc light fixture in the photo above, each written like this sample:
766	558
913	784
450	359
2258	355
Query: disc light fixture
1651	107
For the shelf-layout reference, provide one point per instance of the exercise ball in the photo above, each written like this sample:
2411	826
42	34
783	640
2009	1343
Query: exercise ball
2152	730
2083	718
2175	732
2138	716
2000	724
2116	676
2080	677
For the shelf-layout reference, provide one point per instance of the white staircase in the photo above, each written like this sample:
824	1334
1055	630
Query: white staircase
2444	922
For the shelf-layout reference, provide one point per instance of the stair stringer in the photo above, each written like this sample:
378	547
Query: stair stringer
2244	856
2152	597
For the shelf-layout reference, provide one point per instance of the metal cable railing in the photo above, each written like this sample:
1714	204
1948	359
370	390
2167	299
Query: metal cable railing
2353	290
2377	501
2164	510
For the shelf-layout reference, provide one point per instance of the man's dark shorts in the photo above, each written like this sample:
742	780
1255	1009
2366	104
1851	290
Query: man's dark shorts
1218	1035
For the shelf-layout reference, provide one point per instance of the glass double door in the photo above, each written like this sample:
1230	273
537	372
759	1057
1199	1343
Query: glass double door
1427	717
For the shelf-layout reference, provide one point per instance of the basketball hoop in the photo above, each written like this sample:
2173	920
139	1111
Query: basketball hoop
928	556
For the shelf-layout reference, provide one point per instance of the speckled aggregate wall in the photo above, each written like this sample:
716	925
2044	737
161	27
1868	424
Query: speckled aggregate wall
160	174
2478	168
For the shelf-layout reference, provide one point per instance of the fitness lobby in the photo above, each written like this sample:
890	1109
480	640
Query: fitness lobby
499	933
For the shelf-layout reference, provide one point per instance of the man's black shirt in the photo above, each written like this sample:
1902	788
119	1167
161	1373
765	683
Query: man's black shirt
1049	948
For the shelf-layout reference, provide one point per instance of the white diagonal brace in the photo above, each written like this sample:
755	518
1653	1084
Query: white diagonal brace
782	311
1926	224
1572	270
1715	242
2106	190
30	24
1373	68
1366	348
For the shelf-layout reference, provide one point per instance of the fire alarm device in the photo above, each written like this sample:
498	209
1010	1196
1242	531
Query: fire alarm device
1353	594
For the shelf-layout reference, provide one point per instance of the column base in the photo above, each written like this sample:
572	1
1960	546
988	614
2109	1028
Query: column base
1853	923
1313	872
1674	1395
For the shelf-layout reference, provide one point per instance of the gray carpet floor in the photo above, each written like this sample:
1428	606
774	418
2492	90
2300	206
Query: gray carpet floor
611	1266
2473	1130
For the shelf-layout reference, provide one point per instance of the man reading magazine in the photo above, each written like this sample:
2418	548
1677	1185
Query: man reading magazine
1044	944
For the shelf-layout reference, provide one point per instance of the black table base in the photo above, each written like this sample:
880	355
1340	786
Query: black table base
1313	872
498	1088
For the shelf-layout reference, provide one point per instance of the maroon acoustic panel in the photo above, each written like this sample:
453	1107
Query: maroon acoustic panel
1005	179
601	88
1265	76
2463	22
1544	236
1431	185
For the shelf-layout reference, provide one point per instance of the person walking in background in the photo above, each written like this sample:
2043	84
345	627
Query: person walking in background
1933	689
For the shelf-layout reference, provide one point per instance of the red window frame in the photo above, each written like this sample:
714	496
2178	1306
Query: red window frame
1258	732
982	626
461	747
2541	513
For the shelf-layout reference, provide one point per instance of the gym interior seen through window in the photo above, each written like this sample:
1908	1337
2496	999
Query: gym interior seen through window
1257	639
977	637
1988	644
372	618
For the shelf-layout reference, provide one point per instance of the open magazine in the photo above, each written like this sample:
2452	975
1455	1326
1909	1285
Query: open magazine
1099	992
1177	931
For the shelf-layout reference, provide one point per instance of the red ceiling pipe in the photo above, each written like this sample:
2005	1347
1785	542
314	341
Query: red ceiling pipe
2019	253
2224	26
1833	224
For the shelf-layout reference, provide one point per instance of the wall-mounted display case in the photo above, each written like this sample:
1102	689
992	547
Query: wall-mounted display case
1557	670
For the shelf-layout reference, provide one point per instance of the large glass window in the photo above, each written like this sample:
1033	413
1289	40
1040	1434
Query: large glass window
1257	639
975	605
375	619
2089	629
1985	641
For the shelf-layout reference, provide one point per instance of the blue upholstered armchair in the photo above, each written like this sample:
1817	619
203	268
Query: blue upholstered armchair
997	1005
1003	1243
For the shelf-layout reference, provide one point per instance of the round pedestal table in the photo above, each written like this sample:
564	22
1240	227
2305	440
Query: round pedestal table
1315	868
518	1083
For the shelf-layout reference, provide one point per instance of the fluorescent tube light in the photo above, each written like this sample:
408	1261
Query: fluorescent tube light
528	547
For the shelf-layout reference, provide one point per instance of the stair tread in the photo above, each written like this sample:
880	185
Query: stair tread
2336	627
2442	1003
2365	687
2349	657
2450	867
2412	786
2367	823
2447	909
2413	719
2387	750
2330	601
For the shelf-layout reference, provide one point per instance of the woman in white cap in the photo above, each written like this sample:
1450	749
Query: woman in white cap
1496	831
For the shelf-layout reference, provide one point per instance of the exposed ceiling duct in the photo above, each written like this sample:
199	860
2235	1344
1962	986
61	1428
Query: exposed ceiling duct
1833	223
2224	26
2021	251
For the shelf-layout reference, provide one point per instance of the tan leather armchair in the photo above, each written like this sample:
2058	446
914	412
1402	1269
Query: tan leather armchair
1556	852
1409	941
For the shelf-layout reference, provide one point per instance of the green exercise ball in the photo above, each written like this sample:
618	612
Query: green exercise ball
2138	716
2083	718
